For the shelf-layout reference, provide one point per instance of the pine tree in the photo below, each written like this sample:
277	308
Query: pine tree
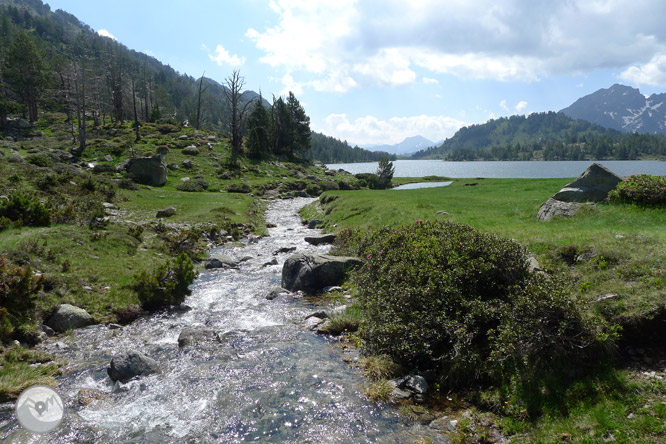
258	127
25	73
300	129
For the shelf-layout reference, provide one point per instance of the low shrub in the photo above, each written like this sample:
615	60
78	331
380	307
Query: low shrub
313	189
194	185
346	321
166	285
239	188
18	290
446	298
26	210
643	189
369	179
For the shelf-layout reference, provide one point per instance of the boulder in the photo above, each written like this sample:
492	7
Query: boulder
284	250
191	150
67	317
277	291
553	207
319	240
148	170
221	261
591	186
167	212
48	330
197	334
188	164
23	124
312	272
128	365
162	150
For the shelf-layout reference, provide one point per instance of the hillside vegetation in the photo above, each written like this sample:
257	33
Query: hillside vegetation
545	136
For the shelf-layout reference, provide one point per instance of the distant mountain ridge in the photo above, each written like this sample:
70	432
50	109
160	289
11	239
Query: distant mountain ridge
408	146
622	108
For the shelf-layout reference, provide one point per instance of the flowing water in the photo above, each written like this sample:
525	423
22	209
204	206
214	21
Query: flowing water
268	381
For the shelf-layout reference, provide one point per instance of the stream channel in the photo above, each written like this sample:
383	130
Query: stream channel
270	380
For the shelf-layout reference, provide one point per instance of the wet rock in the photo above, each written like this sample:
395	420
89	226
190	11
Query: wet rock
319	240
148	170
312	272
445	423
317	314
268	264
301	193
87	396
313	323
167	212
68	317
115	327
221	261
131	364
277	292
284	250
197	334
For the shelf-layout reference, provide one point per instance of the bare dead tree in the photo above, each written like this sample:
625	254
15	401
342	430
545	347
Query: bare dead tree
201	91
233	91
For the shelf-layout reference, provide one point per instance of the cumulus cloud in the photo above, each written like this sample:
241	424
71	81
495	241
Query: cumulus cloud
504	106
428	80
105	33
650	73
223	57
370	130
352	43
520	107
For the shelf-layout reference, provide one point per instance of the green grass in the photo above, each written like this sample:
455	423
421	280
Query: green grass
21	368
626	244
621	251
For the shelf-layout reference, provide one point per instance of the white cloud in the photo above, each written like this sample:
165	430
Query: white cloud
520	107
105	33
650	73
370	130
353	43
504	106
223	57
430	81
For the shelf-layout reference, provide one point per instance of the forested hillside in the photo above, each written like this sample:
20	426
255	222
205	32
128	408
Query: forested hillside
331	150
545	136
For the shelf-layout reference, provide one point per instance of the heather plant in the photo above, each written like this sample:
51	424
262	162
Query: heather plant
642	189
463	305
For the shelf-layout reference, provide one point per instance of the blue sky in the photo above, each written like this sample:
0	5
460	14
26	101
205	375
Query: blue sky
374	72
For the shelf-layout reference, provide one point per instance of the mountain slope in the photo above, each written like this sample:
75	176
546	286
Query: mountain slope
408	146
544	136
622	108
327	149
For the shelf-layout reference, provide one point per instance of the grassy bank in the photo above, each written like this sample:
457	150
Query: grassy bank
612	257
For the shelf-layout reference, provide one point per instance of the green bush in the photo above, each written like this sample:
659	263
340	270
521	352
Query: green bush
369	179
239	188
194	185
449	299
18	290
313	189
26	210
166	285
643	189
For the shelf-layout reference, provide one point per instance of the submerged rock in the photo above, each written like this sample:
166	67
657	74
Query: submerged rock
197	334
68	317
221	261
131	364
276	292
312	272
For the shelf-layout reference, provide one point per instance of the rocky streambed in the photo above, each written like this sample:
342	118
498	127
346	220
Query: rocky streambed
246	368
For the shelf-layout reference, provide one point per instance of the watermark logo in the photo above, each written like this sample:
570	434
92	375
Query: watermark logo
39	409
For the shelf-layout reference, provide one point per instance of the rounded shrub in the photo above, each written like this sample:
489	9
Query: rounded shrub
449	299
26	210
642	189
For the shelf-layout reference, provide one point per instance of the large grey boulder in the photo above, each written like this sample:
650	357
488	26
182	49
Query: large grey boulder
131	364
323	239
312	272
197	334
68	317
221	261
148	170
553	207
591	186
